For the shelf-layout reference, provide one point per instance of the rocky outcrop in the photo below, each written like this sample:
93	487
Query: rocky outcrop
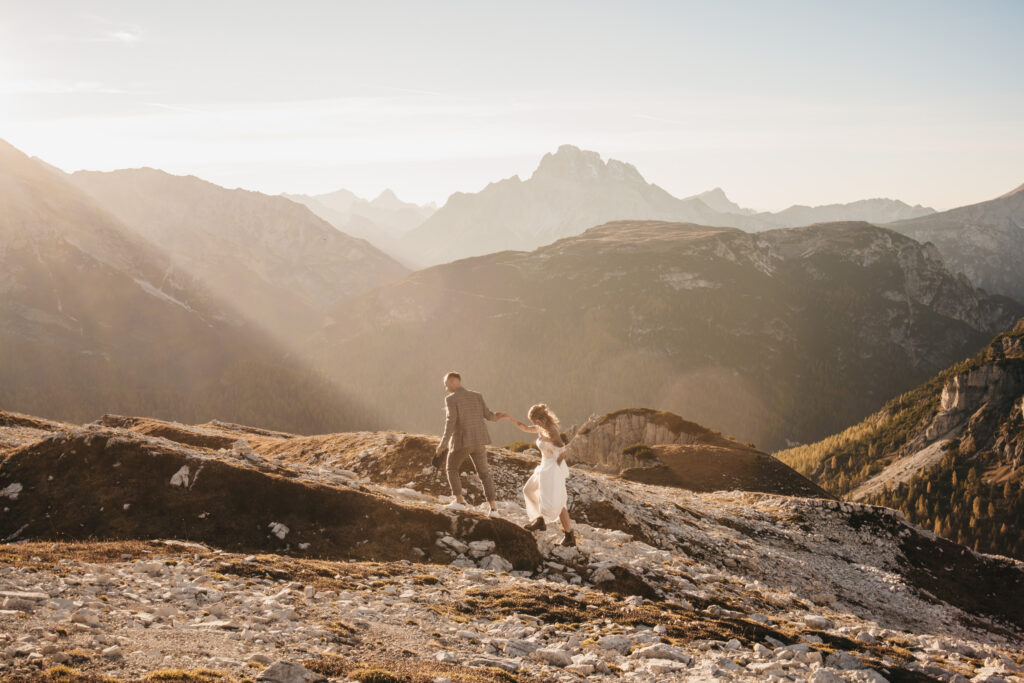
980	398
602	440
986	387
659	447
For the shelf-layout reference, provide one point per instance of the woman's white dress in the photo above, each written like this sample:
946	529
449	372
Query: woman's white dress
545	490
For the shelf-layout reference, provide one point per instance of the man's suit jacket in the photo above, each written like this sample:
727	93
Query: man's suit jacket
465	412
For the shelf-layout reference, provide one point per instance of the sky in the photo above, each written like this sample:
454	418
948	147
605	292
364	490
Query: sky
778	103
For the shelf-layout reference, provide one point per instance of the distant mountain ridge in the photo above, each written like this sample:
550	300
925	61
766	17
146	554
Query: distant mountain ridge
785	334
985	241
570	191
380	221
717	200
877	210
573	189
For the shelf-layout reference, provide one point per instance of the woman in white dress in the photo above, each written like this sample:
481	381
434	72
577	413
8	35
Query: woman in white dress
545	493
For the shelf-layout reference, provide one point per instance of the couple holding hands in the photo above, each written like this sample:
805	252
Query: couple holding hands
465	435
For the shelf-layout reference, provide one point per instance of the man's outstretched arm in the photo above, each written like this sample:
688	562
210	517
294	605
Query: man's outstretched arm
493	417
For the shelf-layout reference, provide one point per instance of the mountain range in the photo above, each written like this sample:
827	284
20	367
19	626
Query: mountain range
573	189
380	221
269	258
780	335
740	330
96	318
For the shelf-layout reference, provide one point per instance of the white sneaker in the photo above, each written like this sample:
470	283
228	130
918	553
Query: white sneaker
493	513
455	505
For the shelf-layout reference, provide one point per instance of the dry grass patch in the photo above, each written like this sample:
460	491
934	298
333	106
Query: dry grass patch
683	625
58	674
37	555
189	676
409	670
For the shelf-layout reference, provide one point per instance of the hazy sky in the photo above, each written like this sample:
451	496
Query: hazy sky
776	102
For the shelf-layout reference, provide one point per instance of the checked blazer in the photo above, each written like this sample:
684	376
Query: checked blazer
465	412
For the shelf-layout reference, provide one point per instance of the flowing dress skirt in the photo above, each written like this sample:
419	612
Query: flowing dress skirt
545	490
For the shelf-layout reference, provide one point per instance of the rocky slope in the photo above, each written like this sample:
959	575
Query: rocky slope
270	259
94	317
786	334
950	453
985	241
677	585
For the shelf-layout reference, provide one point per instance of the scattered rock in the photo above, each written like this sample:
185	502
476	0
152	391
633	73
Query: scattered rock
553	656
288	672
818	622
661	651
841	659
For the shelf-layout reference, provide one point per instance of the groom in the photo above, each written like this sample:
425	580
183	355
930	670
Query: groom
465	435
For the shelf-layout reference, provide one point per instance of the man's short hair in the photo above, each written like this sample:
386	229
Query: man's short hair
452	374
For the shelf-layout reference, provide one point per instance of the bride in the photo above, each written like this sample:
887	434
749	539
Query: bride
545	493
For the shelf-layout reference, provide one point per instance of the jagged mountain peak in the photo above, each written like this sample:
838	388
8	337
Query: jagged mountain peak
571	162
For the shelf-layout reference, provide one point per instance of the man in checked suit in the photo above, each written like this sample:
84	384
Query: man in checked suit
465	435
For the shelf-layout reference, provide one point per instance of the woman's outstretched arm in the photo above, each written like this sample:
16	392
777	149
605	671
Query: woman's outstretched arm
531	429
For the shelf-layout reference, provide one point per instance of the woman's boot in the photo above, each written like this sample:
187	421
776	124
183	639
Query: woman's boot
536	525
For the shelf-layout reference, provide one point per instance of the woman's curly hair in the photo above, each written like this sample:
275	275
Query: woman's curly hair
542	416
